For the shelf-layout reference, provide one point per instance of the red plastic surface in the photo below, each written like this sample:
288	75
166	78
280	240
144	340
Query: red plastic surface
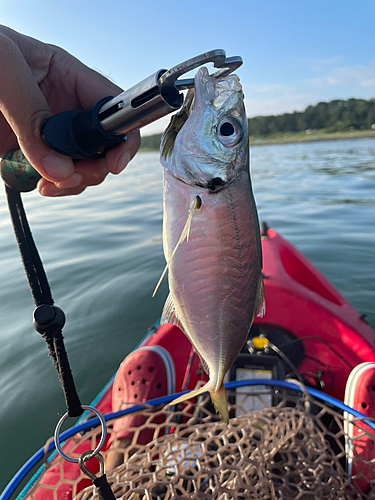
300	299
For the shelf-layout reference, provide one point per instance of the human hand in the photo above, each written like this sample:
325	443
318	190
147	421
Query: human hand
39	80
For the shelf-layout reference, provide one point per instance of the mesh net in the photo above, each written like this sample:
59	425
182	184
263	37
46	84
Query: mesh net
298	448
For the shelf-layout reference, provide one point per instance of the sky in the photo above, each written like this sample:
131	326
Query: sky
295	53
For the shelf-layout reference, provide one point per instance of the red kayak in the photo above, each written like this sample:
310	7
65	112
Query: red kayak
332	335
318	337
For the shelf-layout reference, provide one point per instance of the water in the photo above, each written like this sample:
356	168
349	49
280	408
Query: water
103	255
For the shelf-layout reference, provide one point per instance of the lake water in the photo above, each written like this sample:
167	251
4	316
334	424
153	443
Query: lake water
103	255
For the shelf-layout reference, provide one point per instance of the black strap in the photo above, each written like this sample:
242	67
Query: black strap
32	264
104	489
48	319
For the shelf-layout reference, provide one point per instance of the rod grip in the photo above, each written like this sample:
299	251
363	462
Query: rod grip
17	173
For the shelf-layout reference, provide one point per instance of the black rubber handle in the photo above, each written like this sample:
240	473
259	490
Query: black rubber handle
78	134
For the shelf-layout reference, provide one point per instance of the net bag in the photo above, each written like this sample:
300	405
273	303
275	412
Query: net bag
299	448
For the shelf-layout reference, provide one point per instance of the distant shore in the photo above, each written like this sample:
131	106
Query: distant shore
313	136
280	138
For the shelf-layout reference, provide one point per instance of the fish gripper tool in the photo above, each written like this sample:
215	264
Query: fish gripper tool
95	130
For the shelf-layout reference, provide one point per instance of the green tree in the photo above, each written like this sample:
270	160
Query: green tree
336	115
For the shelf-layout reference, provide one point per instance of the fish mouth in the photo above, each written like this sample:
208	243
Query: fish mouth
213	185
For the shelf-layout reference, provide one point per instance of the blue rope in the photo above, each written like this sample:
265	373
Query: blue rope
83	426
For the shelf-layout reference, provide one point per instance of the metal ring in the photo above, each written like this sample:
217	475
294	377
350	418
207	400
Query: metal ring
101	442
87	455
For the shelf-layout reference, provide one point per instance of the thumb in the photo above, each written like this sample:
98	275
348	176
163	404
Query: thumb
25	109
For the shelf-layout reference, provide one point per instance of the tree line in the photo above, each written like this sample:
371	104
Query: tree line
334	116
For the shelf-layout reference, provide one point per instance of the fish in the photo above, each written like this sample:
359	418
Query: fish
211	234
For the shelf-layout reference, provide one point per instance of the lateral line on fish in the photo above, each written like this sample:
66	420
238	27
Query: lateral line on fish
195	205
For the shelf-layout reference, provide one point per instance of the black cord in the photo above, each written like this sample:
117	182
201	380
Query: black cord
32	264
48	319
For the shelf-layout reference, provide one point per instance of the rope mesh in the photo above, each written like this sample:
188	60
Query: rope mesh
297	449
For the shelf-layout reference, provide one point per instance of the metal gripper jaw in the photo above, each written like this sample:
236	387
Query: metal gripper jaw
159	94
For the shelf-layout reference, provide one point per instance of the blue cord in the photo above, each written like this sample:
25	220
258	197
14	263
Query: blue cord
83	426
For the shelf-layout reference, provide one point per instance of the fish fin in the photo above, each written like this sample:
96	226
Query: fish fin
169	314
261	303
195	205
191	394
175	125
219	400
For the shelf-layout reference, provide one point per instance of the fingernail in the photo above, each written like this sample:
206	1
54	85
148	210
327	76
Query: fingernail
73	181
57	167
123	161
51	190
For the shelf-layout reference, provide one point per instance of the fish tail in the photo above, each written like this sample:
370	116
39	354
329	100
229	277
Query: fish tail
192	394
219	400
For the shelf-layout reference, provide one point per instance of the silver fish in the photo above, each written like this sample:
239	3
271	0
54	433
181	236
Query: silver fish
211	233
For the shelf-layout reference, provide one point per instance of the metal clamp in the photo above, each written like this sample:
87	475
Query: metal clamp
226	65
92	453
88	455
159	94
103	126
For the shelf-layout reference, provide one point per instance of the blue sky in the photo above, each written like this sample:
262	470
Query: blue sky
295	53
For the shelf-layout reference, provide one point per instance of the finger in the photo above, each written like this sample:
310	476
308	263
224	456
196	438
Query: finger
118	158
49	189
91	86
87	173
93	172
25	108
70	83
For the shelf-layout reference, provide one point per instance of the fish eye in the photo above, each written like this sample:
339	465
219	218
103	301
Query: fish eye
229	132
